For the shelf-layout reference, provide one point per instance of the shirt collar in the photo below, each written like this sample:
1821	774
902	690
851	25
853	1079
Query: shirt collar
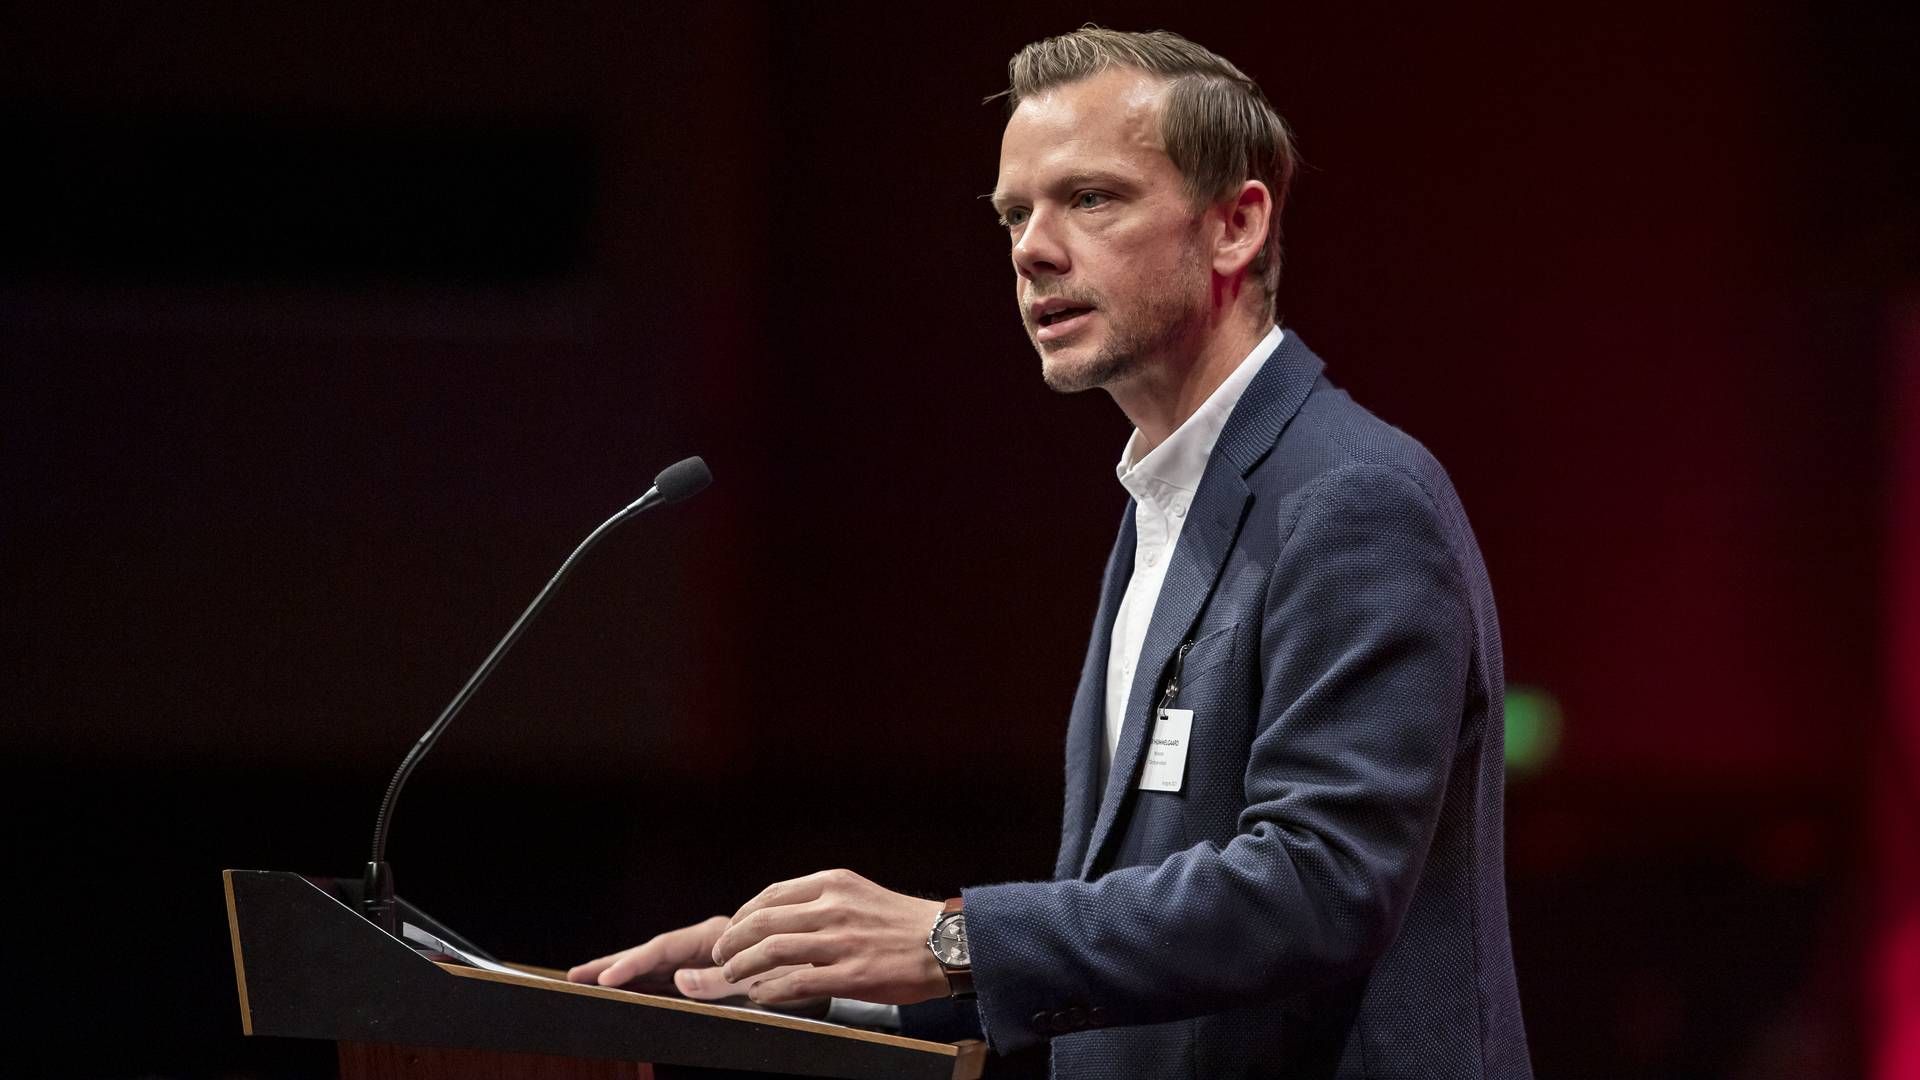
1178	463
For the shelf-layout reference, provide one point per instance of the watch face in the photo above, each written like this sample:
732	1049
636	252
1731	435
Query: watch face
950	942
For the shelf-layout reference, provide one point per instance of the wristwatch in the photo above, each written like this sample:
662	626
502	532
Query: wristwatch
948	942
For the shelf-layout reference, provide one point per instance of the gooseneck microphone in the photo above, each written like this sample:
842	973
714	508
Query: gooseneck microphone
678	481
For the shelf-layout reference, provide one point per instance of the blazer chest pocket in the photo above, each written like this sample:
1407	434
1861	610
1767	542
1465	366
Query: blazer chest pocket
1210	651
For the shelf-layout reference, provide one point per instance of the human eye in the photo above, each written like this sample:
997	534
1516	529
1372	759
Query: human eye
1013	217
1090	200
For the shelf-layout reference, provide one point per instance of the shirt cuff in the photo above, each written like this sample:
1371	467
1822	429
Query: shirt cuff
864	1014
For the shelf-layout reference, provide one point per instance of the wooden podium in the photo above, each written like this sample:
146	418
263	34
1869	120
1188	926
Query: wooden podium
309	967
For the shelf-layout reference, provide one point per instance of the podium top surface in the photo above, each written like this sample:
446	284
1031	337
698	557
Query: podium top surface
308	966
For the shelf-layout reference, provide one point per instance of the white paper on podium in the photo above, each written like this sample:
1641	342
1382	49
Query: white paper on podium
421	937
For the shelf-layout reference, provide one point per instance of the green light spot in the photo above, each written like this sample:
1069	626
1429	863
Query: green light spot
1533	728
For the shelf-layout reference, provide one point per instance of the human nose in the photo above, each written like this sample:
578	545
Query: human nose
1039	251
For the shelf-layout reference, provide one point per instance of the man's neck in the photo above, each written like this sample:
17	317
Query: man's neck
1164	396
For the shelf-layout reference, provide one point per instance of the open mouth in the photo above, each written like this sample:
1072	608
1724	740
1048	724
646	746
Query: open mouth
1062	315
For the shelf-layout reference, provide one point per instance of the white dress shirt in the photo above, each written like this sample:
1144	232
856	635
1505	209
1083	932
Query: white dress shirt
1162	485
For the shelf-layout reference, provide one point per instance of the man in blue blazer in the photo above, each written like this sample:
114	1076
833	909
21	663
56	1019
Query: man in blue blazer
1281	851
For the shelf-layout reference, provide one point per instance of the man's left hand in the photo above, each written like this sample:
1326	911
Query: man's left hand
862	941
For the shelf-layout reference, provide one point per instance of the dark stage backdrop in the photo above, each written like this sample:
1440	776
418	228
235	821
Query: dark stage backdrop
327	336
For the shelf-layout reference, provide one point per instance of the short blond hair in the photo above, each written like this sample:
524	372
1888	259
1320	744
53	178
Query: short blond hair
1219	128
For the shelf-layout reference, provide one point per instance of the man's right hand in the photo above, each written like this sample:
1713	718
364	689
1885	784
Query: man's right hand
681	958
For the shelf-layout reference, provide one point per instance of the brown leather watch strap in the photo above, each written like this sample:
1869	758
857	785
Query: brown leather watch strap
960	983
959	980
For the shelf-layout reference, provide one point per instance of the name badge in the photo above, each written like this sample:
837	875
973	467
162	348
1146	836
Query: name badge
1166	764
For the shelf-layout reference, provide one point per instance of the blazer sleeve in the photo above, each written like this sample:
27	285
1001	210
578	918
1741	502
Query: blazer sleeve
1366	643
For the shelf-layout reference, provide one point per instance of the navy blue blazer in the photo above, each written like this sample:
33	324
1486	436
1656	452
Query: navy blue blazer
1325	895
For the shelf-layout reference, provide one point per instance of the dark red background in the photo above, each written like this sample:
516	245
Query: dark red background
327	336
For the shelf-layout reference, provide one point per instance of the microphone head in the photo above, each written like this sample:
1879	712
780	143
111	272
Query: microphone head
683	479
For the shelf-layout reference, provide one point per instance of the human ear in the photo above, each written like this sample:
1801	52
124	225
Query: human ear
1243	232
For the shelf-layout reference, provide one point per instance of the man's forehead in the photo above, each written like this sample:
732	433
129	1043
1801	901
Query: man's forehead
1111	119
1120	99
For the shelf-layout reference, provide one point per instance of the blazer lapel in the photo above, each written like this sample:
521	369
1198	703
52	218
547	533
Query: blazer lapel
1213	524
1213	521
1086	725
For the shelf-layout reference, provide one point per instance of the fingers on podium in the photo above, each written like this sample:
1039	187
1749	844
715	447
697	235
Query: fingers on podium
656	957
759	925
705	984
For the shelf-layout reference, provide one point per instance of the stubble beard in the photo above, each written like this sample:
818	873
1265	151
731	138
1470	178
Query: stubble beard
1162	319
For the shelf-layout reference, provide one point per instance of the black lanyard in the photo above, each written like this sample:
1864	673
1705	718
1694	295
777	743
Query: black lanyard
1172	693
